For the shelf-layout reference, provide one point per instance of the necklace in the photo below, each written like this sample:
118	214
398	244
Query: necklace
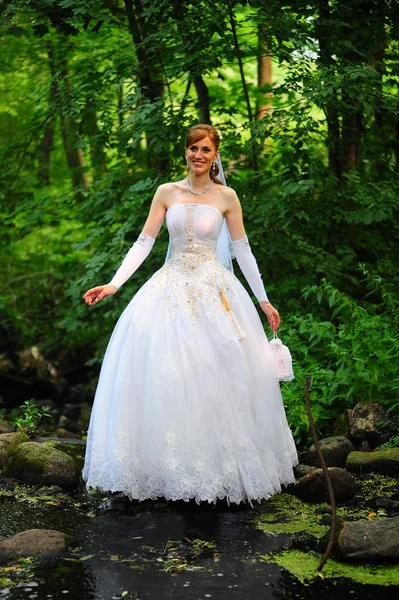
198	193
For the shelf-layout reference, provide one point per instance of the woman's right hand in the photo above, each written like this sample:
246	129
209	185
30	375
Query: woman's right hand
98	293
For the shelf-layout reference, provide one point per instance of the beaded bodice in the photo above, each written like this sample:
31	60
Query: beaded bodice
194	230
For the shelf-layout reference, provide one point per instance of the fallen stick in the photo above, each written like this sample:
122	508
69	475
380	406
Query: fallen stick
308	386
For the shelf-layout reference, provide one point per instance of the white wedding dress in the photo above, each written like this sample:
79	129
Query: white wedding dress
187	404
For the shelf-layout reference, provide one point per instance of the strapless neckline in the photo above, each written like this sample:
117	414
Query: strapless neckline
194	204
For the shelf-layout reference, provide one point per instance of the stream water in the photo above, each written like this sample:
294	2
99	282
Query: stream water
159	551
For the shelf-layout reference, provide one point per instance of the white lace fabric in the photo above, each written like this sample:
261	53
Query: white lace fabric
186	407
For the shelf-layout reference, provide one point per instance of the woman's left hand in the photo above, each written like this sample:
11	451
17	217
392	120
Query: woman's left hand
271	313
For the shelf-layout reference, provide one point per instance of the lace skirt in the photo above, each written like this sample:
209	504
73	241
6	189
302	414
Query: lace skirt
187	404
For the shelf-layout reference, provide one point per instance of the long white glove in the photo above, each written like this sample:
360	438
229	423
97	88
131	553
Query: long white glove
133	259
249	268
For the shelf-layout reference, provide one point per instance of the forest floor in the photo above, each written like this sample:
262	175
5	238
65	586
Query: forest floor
159	550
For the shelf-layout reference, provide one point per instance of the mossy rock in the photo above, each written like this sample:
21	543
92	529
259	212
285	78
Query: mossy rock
6	428
314	488
76	449
335	450
385	462
39	543
39	464
9	441
13	438
368	540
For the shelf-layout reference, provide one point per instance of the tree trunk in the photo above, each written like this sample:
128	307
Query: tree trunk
203	99
331	106
377	63
151	75
351	136
254	157
120	104
46	145
397	140
264	78
74	154
44	150
97	154
200	86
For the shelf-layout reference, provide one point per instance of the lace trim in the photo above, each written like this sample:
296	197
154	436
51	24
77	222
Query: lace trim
242	243
249	470
144	239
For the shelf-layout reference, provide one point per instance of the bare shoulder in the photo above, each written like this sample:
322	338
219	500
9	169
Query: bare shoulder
166	188
165	191
230	199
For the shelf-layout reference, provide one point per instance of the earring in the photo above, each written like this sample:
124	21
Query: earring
214	166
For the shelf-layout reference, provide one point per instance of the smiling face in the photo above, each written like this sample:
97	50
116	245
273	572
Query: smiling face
200	156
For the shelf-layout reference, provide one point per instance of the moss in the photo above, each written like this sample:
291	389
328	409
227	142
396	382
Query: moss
75	450
8	444
383	461
303	565
39	464
376	484
288	514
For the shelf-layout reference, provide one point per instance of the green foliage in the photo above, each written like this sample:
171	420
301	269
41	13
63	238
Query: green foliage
32	415
96	118
351	353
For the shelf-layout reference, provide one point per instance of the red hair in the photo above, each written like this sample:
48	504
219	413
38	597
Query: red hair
199	132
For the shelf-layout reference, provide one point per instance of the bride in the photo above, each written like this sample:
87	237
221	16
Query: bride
187	404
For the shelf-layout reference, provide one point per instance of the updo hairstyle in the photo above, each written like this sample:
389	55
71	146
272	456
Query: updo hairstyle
199	132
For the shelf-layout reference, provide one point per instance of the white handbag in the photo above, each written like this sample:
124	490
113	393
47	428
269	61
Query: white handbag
282	359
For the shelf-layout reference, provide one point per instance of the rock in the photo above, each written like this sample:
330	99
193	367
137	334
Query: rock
33	362
63	421
365	421
391	506
326	520
369	540
365	446
7	440
381	461
74	448
3	451
43	543
12	438
313	487
56	489
84	417
5	428
320	510
334	449
341	424
302	470
65	434
6	484
40	464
